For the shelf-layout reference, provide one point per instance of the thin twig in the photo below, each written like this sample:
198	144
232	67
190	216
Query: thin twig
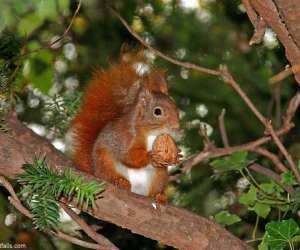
278	164
228	78
259	32
51	44
77	241
14	200
284	74
217	152
86	228
187	65
277	100
69	26
284	151
222	129
292	108
20	207
258	23
271	174
268	125
9	188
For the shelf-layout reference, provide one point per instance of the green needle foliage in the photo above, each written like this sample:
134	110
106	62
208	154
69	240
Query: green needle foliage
42	187
60	110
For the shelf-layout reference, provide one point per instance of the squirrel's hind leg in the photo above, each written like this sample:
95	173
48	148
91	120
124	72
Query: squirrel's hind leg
105	168
121	182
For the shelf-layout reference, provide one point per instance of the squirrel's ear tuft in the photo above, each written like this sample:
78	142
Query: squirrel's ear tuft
156	81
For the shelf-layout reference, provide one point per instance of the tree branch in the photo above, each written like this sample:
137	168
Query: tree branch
222	129
100	239
14	200
187	65
172	226
282	17
271	174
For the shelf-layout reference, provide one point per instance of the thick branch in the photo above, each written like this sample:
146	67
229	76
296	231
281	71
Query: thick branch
170	225
282	16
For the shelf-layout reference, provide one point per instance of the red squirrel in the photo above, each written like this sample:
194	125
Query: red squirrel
122	113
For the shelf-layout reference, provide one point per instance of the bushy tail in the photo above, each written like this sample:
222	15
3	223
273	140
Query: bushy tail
102	102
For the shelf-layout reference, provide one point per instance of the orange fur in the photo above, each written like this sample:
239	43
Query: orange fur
103	101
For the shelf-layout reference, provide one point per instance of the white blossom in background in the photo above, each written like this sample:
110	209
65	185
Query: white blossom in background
147	10
141	68
37	128
33	101
182	114
59	144
231	197
60	66
55	88
71	83
185	151
241	8
270	39
10	219
225	200
69	51
193	124
180	53
150	56
197	5
242	183
184	73
148	38
201	110
206	128
203	15
189	4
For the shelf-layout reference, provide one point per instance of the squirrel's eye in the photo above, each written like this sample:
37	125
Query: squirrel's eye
157	111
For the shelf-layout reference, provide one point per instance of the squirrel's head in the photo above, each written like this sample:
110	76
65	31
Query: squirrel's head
156	111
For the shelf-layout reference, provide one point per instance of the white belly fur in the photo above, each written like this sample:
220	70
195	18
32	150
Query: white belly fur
140	179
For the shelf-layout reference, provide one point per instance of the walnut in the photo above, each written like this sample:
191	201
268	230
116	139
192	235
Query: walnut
164	151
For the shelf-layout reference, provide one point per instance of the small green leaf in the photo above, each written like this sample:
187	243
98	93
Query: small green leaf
268	188
281	233
288	178
236	161
249	198
262	210
41	71
226	219
29	23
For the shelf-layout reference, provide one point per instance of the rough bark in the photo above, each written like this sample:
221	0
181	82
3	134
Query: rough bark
283	17
173	226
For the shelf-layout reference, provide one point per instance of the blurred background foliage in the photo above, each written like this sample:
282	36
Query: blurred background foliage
44	84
